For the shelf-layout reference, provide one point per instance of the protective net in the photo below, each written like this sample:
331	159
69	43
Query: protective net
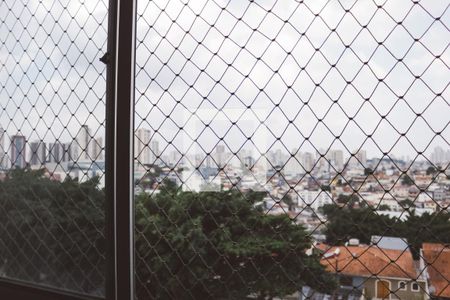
52	123
283	149
292	149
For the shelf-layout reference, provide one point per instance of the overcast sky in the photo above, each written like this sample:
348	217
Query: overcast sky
269	70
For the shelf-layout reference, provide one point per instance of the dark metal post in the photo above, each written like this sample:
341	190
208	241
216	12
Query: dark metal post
119	149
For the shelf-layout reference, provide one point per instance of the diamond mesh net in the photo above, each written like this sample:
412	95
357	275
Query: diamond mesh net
52	123
292	149
283	149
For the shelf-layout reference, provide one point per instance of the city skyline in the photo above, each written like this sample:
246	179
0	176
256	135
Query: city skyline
86	147
21	151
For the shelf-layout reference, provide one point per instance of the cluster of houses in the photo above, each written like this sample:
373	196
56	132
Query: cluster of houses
385	269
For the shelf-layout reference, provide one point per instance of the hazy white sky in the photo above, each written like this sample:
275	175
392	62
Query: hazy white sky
285	65
268	70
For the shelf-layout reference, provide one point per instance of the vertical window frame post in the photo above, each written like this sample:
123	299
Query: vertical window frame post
119	149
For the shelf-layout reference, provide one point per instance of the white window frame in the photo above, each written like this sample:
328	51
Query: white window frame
412	287
405	286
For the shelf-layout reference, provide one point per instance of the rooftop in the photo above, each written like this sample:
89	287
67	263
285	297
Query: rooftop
368	261
437	259
389	242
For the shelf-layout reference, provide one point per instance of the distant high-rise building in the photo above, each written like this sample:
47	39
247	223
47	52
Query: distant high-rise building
208	162
249	162
359	159
220	155
18	151
362	157
439	156
278	158
142	150
336	159
2	149
173	158
67	155
97	149
56	152
80	147
294	164
307	161
155	149
38	153
321	161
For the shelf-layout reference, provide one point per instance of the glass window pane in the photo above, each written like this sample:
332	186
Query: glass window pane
52	124
282	147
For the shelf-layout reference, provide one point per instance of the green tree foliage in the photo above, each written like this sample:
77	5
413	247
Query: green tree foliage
432	228
368	171
287	199
384	207
407	204
407	180
52	232
217	245
346	223
207	245
325	187
431	170
350	200
149	179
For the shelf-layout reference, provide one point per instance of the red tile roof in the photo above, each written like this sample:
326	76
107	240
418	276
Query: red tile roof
370	261
322	247
437	259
